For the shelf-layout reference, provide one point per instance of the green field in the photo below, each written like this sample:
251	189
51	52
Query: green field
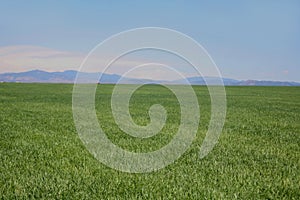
257	156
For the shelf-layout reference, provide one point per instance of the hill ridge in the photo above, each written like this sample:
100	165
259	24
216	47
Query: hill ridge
69	76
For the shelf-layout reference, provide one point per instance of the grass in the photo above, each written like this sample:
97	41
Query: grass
257	156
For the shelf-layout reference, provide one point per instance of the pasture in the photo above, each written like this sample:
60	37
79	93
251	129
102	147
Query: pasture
257	155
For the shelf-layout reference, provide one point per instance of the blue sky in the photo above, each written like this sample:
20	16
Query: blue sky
246	39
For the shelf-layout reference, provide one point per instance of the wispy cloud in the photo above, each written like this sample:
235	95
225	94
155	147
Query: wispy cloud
285	72
25	58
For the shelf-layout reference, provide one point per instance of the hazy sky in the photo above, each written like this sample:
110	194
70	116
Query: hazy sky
247	39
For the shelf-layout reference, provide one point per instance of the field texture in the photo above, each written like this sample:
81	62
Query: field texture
257	156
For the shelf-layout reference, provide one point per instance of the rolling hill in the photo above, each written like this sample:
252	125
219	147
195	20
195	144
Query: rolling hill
69	76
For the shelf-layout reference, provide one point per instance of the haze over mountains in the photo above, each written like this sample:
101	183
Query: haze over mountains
38	76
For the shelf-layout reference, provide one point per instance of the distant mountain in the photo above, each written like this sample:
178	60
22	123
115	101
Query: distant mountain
268	83
211	81
38	76
228	81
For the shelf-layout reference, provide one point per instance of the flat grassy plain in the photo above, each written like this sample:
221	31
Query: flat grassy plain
257	156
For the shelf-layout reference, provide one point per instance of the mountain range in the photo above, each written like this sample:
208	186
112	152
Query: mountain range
39	76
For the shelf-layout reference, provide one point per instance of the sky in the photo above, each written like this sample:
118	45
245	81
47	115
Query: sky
246	39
